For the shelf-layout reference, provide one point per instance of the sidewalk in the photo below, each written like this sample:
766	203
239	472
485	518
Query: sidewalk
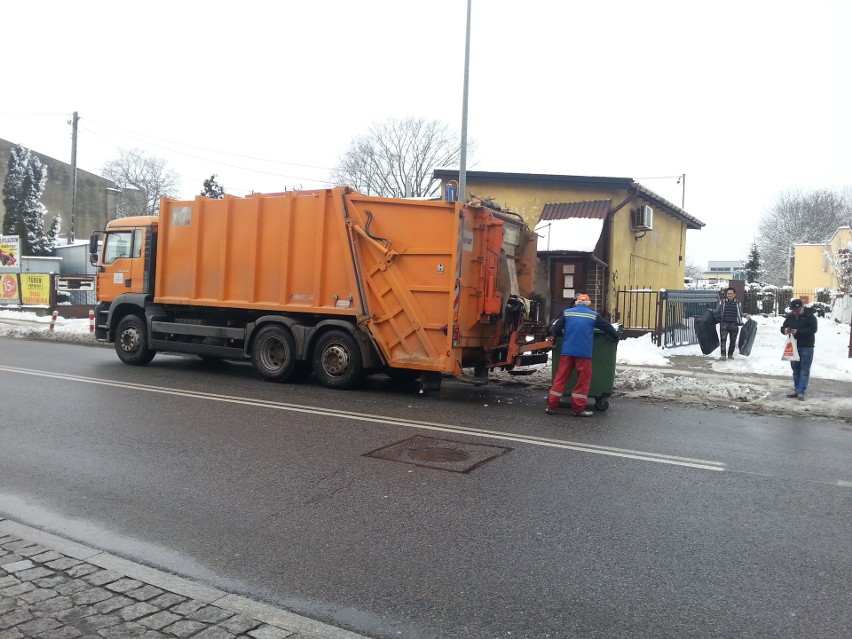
54	588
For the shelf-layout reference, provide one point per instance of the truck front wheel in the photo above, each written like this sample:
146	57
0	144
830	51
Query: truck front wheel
273	353
337	360
131	341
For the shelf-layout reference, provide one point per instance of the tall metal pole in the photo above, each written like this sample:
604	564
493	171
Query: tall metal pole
463	154
73	207
683	192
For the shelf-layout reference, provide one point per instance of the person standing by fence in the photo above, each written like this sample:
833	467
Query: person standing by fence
729	314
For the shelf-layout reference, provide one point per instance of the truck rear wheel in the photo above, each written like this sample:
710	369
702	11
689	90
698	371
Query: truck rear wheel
131	341
273	353
337	360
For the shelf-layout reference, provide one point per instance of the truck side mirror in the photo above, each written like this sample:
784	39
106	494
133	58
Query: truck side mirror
93	248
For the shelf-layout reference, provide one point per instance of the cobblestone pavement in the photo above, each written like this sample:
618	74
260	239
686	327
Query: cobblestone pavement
54	588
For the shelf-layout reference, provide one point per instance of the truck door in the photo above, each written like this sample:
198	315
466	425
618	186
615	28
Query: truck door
123	263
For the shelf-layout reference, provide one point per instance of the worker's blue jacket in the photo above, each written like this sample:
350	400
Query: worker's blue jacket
578	327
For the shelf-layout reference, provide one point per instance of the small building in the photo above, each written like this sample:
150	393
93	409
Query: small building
810	268
596	234
718	270
840	258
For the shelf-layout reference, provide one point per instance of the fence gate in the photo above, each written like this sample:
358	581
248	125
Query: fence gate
676	315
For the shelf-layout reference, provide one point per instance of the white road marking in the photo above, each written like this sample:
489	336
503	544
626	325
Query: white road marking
625	453
844	483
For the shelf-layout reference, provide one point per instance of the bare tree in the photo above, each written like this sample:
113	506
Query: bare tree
795	218
691	269
396	158
143	180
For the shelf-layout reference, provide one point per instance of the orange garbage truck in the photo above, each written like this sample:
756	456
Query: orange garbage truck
327	281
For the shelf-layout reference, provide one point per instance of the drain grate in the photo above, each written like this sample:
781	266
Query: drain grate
440	454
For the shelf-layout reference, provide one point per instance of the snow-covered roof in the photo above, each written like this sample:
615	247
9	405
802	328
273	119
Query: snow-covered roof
572	234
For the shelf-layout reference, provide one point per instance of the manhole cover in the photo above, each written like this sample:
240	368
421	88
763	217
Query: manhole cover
441	454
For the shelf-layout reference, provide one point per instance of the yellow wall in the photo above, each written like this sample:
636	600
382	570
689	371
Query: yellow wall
840	240
811	269
653	260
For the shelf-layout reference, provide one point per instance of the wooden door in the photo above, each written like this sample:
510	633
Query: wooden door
567	280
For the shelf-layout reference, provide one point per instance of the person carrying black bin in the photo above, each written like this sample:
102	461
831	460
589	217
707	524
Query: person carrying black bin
577	326
729	314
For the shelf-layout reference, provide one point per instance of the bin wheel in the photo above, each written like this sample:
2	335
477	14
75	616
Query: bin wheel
601	403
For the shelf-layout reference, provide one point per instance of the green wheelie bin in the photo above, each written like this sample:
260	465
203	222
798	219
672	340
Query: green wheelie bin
603	368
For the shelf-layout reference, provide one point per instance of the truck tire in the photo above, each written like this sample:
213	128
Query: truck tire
337	360
273	353
131	341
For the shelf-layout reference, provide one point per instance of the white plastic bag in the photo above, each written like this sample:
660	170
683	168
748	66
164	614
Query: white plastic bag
791	353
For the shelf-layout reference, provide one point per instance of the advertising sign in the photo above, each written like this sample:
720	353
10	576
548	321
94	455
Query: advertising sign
35	289
70	283
9	290
10	254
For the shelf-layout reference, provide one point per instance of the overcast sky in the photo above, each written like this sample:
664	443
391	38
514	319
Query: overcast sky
747	98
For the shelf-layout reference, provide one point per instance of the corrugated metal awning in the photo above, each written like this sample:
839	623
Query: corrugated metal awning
594	209
572	226
579	234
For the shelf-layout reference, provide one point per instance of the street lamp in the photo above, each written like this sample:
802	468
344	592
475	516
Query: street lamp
463	154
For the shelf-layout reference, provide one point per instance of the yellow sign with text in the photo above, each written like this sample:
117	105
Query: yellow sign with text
35	289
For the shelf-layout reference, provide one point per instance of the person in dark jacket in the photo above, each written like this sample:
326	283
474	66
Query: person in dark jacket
801	323
729	314
577	326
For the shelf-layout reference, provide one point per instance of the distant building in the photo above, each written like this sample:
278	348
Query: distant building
821	266
724	270
810	268
840	254
95	203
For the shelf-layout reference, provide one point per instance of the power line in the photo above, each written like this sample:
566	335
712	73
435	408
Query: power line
212	161
181	175
202	148
33	115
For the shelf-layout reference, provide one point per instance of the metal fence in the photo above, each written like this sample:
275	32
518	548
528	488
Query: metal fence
676	315
636	309
670	315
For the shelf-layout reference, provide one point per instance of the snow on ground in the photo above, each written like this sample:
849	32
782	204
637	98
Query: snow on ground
643	370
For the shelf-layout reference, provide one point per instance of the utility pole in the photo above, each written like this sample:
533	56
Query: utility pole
682	181
463	155
73	208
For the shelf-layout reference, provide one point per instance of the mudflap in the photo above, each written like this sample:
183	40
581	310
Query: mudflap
430	381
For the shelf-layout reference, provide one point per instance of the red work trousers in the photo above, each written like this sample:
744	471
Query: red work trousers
567	364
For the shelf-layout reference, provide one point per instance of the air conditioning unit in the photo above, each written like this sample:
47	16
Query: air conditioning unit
643	218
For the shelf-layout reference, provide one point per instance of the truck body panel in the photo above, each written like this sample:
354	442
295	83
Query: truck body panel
429	286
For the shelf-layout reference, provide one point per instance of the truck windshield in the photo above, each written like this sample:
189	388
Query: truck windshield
123	244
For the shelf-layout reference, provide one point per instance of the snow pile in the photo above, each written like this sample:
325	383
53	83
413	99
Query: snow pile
758	383
28	325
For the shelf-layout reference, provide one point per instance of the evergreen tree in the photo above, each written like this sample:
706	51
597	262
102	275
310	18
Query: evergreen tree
22	191
752	265
213	189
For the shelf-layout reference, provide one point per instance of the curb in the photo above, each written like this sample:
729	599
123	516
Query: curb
270	621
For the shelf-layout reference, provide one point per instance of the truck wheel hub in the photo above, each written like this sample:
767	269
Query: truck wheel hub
335	360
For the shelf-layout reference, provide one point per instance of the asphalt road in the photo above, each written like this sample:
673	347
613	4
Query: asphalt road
644	521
